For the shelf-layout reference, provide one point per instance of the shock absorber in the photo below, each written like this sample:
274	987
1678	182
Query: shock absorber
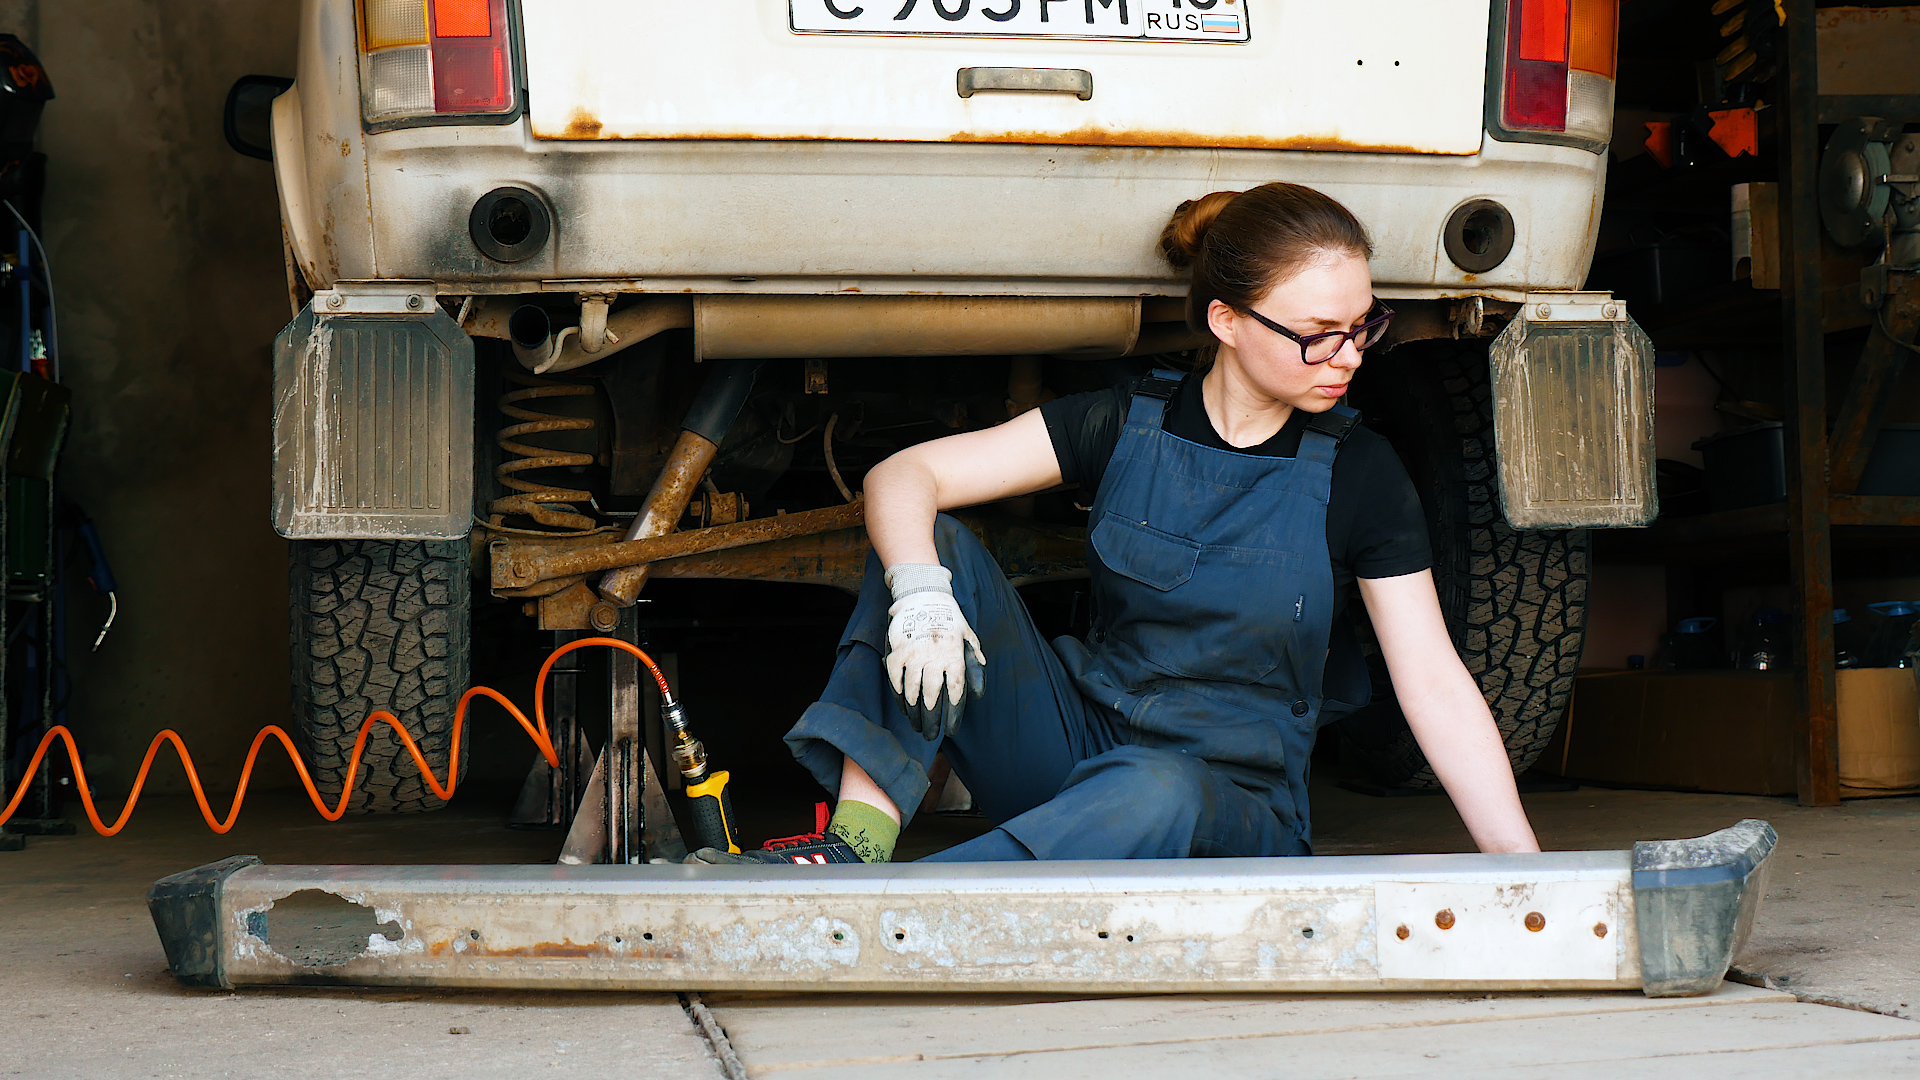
549	505
709	803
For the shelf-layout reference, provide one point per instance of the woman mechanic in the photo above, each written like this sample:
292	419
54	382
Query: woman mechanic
1232	509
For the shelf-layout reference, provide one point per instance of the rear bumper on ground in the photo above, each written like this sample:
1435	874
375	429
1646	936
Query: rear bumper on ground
1667	917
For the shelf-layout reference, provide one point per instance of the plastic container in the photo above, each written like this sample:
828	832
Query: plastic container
1696	646
1894	466
1888	646
1849	641
1765	644
1663	653
1745	466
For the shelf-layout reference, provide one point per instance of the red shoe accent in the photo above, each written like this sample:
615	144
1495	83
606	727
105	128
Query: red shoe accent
820	819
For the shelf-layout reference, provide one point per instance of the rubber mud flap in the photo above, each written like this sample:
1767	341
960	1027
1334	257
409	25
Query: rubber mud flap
186	913
1695	902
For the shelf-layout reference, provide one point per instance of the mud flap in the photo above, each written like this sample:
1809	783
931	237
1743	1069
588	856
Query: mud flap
1573	415
373	419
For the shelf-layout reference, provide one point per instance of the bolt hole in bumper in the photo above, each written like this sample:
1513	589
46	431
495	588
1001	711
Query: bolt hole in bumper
1667	917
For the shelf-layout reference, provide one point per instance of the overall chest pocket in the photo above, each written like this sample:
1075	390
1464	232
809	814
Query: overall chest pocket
1145	554
1195	611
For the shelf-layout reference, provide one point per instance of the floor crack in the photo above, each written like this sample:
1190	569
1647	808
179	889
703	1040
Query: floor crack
1767	982
716	1035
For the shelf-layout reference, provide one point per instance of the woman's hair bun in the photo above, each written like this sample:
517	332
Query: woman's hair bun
1180	241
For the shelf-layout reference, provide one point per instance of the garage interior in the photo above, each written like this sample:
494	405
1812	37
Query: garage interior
1719	679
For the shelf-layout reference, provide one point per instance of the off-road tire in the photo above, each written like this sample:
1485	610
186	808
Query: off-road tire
1515	602
378	624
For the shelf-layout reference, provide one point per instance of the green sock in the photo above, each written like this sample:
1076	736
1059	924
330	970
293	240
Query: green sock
867	829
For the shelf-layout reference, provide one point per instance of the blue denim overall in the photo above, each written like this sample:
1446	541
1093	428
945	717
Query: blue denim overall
1183	724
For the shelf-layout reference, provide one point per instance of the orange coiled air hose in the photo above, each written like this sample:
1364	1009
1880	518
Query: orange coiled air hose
536	729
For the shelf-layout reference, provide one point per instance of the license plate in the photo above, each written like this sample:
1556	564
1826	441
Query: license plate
1222	21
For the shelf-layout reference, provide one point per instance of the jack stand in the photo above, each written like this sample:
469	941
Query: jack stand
550	799
623	816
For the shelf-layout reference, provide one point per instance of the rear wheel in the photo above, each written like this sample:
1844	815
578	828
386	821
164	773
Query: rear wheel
378	624
1515	602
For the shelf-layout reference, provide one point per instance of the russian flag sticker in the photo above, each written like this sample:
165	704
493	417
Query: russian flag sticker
1220	24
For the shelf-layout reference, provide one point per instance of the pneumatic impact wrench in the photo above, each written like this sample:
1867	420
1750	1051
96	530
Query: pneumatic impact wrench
709	803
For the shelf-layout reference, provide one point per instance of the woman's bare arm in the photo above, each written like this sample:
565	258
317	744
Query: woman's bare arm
1444	708
905	491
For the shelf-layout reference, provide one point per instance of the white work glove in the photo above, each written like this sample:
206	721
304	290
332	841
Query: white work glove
933	658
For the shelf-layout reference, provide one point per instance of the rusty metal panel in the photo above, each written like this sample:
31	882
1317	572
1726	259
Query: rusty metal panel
1148	925
1402	76
1667	917
1573	415
373	421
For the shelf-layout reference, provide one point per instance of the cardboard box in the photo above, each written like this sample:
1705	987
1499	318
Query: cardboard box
1879	731
1725	731
1733	731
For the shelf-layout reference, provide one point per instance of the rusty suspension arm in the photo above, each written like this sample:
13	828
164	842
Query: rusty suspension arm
706	424
519	564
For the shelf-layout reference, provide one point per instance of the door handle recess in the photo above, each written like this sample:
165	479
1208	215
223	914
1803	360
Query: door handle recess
1075	81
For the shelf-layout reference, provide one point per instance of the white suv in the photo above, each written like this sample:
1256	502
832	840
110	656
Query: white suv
871	194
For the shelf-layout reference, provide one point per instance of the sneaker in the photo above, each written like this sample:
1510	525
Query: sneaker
807	849
818	847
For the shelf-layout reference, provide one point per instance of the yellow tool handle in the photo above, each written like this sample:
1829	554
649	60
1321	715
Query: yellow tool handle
711	807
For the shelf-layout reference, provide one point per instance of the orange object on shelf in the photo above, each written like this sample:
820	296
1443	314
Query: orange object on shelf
1737	131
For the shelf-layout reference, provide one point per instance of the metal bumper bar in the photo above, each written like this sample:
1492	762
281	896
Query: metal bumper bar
1667	917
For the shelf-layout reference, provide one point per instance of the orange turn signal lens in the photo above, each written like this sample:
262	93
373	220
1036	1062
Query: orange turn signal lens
1596	37
385	24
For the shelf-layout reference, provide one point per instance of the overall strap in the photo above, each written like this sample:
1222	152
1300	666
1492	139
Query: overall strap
1325	431
1149	403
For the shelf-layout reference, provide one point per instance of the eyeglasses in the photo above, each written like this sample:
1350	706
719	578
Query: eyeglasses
1320	348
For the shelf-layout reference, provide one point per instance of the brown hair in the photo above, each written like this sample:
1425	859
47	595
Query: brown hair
1241	244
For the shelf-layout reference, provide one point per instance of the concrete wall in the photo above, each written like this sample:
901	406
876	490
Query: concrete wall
166	250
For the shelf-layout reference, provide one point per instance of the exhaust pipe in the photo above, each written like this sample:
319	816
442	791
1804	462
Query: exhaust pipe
535	344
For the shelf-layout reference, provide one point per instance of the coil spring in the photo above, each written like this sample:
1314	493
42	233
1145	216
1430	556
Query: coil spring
549	505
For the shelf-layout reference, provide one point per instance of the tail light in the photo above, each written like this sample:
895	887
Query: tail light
1560	62
434	58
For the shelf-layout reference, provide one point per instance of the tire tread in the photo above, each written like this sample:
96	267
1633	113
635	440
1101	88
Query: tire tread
378	624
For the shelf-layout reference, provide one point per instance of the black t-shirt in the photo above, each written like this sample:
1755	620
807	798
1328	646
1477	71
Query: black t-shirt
1375	525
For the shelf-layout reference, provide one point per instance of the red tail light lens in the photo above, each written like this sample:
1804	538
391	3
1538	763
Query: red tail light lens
470	56
425	58
1535	92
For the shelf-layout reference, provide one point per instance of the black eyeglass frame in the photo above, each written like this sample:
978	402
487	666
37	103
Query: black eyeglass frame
1378	322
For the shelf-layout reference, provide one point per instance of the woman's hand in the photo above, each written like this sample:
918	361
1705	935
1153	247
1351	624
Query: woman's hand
1444	708
933	657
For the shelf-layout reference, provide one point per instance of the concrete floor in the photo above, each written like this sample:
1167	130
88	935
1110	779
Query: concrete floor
84	987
